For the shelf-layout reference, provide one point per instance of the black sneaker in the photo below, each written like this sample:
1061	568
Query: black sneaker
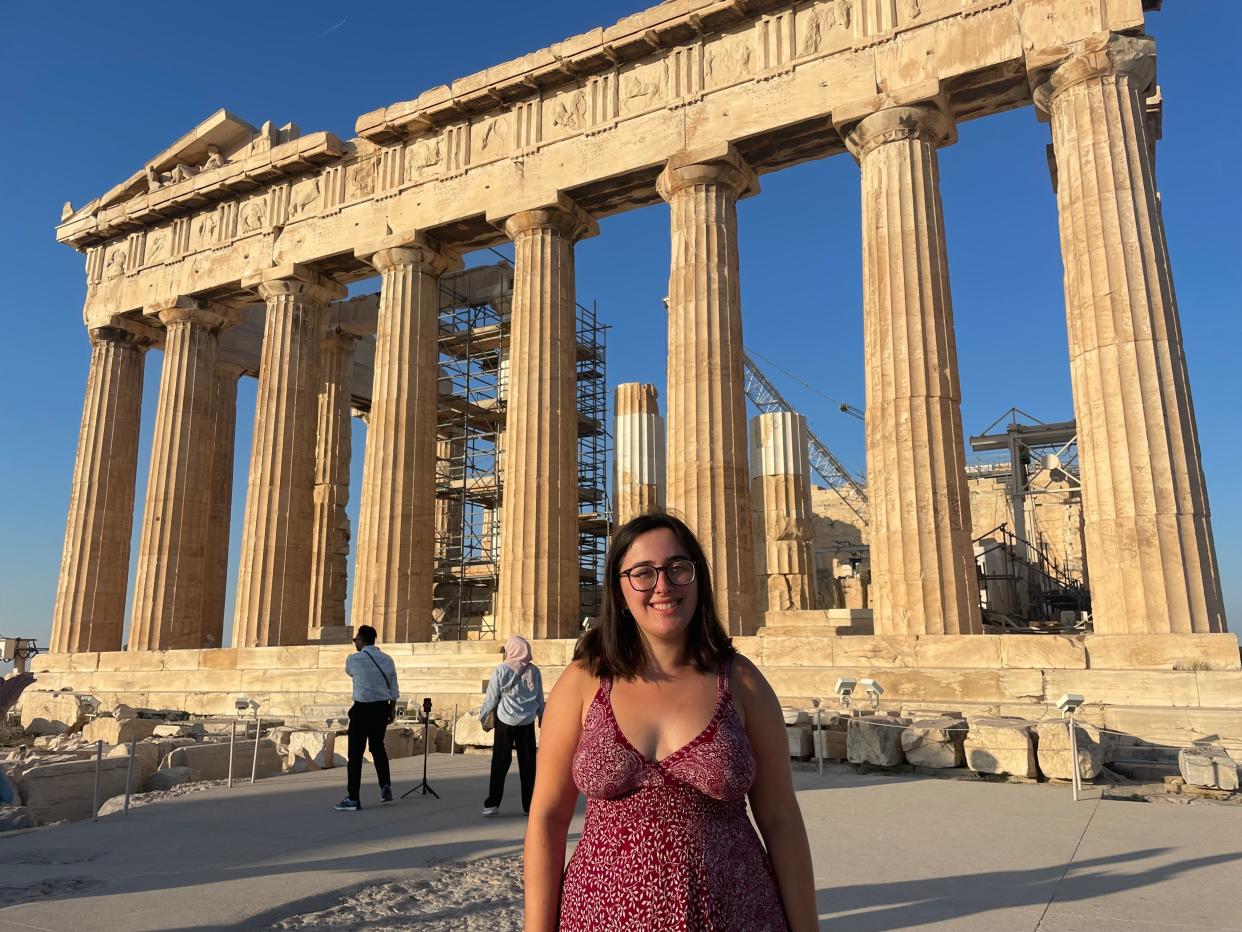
386	793
348	805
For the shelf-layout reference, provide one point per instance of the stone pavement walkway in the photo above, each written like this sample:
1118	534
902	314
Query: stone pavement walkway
890	853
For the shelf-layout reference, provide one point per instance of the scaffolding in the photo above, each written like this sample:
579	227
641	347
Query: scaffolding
474	366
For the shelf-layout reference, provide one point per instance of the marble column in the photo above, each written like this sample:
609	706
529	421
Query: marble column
922	562
220	510
539	567
172	552
89	613
780	470
273	579
396	545
639	480
708	479
1145	506
330	537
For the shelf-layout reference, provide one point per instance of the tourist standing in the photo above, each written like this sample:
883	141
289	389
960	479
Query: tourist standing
375	706
666	843
515	698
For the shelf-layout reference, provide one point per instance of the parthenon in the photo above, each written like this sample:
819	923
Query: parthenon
231	251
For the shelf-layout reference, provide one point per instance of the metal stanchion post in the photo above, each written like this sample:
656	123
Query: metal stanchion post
453	733
98	769
819	738
1073	743
129	773
254	764
232	741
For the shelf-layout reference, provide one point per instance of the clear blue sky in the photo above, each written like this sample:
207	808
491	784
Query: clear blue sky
88	92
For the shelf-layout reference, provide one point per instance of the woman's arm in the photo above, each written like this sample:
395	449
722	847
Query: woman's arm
772	798
552	807
492	697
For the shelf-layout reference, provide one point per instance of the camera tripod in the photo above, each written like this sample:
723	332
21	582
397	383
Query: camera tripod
424	787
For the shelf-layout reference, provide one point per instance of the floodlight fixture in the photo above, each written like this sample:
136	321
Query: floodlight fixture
845	689
1070	703
242	704
874	690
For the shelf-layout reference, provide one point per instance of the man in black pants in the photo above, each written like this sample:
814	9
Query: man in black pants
375	694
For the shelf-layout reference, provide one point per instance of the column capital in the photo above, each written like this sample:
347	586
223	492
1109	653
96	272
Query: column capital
294	279
719	165
194	310
557	212
424	253
1099	56
120	335
929	122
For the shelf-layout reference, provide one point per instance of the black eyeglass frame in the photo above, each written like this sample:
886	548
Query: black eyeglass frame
694	573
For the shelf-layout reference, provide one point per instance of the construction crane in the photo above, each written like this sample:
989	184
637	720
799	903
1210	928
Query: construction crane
767	399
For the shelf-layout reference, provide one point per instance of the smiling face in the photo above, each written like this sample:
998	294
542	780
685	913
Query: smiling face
664	612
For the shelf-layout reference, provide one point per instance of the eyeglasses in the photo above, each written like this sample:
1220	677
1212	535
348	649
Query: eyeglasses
644	578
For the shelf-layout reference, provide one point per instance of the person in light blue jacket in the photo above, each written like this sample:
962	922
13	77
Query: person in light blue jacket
515	694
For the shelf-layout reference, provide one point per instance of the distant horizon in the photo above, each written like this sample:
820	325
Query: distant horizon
92	106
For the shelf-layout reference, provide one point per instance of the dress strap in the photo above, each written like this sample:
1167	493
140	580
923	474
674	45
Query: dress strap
722	680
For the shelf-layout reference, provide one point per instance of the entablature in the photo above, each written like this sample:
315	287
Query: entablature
596	118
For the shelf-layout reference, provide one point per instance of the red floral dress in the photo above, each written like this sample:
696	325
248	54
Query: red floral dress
668	845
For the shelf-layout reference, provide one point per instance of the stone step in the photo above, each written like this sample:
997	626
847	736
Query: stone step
1145	771
1156	755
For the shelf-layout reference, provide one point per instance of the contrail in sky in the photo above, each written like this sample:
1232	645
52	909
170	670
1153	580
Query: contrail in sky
333	29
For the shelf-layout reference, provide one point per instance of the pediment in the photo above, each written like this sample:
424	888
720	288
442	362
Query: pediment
215	142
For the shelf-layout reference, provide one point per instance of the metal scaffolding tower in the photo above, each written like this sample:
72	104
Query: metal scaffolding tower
474	367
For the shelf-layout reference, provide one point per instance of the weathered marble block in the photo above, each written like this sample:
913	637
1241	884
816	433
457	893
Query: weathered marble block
46	713
1208	766
65	790
319	746
212	760
118	730
146	758
1053	751
875	739
799	739
935	742
1002	746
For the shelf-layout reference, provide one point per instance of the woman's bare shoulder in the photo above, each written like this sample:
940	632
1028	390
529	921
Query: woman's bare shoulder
577	678
747	679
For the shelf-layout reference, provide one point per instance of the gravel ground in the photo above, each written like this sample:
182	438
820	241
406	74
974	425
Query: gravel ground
449	896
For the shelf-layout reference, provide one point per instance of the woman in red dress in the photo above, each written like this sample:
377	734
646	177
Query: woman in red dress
667	843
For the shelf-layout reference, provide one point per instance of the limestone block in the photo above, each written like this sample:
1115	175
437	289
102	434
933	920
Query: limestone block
146	758
947	651
1054	755
123	711
178	729
64	790
799	738
212	760
1001	745
299	763
795	716
1208	766
935	742
1163	651
1043	652
893	650
118	731
45	713
469	732
14	817
875	739
319	746
1126	687
830	745
167	777
402	741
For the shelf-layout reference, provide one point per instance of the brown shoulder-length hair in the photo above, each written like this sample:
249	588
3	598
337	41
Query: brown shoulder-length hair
615	648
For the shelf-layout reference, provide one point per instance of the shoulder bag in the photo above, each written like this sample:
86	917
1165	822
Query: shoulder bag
392	703
489	720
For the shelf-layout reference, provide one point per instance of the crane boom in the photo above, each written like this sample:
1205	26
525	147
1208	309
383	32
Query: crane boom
767	399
